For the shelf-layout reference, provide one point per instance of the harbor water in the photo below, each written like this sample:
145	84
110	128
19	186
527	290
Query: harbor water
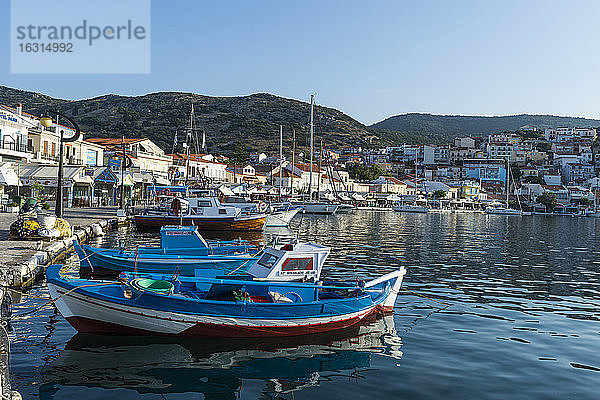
496	307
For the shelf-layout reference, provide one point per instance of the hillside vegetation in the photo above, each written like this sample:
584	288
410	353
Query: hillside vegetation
248	122
431	128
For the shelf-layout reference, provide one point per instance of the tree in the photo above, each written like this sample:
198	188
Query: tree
548	200
584	201
533	179
543	146
364	172
516	172
439	194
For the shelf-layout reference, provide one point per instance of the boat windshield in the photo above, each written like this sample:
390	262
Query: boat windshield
268	260
295	264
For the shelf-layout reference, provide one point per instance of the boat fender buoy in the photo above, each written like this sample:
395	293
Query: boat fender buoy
166	192
262	207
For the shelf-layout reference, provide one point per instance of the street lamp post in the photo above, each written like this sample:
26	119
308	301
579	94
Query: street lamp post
46	121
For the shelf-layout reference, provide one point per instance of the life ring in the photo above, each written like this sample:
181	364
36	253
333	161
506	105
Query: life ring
166	192
262	207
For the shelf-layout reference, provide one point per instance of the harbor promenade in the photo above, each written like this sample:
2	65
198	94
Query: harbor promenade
17	252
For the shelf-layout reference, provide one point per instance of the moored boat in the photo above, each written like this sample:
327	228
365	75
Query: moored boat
263	303
181	249
320	208
282	214
503	211
411	208
208	214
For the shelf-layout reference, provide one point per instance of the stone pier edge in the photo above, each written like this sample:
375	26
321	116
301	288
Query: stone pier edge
25	273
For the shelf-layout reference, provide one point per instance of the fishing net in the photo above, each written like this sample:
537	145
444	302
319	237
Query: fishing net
63	227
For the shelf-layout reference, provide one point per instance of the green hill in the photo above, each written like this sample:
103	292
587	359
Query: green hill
443	128
250	123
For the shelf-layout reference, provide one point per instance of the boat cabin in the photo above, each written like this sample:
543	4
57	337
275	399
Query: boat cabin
293	261
210	206
181	237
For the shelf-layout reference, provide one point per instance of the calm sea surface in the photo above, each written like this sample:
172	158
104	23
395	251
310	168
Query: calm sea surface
499	307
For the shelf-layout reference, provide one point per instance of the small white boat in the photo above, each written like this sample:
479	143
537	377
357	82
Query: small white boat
412	208
282	214
345	208
320	208
503	211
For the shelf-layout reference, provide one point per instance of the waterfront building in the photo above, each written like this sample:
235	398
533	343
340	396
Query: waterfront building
201	167
486	170
41	181
389	184
561	193
14	134
143	153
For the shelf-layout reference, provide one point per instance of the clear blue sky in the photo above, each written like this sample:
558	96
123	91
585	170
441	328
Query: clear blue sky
370	59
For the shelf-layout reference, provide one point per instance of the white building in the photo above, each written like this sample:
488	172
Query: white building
14	134
200	167
564	134
144	154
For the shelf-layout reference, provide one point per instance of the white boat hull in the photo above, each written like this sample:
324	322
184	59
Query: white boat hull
320	208
89	314
410	208
503	211
282	218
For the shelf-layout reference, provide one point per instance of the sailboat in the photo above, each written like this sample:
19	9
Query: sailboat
506	210
315	207
282	213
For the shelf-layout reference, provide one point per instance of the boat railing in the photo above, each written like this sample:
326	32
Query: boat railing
220	281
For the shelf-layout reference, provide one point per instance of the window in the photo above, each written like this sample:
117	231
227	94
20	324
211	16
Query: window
267	260
204	204
295	264
222	211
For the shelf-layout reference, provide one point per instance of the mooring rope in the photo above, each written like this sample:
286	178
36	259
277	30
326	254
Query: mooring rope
425	297
39	308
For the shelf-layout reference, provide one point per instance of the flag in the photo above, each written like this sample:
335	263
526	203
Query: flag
175	140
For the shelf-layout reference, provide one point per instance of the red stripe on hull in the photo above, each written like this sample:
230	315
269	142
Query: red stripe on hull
217	224
87	325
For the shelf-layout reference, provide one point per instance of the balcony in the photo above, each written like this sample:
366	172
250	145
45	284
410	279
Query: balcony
13	146
48	157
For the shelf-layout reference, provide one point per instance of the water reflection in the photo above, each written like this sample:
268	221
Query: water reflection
217	368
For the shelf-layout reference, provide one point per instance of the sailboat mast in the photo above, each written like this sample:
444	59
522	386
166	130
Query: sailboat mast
187	144
280	158
319	174
293	160
312	99
507	181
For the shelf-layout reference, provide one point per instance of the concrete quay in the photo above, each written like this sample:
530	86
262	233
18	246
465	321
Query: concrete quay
22	261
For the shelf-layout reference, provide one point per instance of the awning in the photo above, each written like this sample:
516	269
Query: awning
161	181
127	181
8	177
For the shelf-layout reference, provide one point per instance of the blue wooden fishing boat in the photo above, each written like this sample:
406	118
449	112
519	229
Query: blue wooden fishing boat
281	295
181	249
